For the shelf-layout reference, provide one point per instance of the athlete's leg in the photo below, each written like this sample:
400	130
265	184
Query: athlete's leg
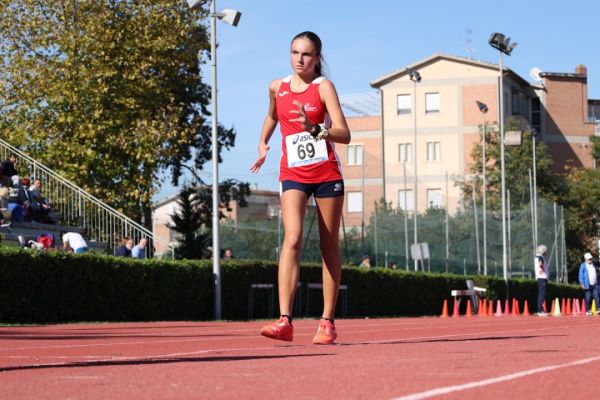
330	214
293	210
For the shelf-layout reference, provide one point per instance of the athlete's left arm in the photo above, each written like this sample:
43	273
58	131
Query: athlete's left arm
339	131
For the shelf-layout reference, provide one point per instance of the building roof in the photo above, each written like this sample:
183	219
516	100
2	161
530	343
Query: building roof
361	104
377	83
562	75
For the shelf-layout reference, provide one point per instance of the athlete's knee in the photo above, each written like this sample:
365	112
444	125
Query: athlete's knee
293	241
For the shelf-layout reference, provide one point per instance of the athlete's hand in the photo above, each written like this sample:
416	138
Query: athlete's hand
262	156
302	118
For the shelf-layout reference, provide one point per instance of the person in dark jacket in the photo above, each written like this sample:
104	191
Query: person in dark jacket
125	249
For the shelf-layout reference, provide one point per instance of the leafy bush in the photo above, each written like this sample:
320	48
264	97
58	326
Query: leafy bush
59	287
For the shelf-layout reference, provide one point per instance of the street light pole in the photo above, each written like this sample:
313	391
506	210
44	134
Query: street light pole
535	213
484	109
415	77
502	43
231	17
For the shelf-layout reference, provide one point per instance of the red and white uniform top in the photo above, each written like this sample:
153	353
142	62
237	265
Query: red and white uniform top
303	159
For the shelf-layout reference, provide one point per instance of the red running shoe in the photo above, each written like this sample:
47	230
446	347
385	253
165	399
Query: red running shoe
280	330
326	333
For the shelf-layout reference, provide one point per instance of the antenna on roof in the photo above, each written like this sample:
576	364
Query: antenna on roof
535	74
468	42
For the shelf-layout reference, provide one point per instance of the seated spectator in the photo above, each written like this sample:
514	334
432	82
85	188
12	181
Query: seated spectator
73	241
228	254
39	205
8	171
139	250
125	249
366	261
16	207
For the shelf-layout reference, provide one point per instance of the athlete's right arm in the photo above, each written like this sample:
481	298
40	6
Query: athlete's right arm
268	128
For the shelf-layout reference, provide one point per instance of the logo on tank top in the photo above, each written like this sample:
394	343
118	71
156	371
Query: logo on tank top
281	94
309	107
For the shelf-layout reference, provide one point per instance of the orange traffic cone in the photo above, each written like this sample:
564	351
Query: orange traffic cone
515	309
563	305
483	308
544	306
568	309
553	306
491	308
526	309
583	307
445	310
469	312
498	309
455	312
506	308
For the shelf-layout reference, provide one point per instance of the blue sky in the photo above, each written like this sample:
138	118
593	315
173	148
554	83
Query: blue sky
365	40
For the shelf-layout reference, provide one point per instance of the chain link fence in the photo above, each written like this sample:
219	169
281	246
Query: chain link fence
455	242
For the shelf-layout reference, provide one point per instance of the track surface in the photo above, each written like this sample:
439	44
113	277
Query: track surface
457	358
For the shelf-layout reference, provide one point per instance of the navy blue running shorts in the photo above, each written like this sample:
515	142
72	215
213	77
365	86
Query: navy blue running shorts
319	190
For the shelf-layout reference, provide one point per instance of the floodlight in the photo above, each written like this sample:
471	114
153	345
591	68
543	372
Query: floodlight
414	75
232	17
482	107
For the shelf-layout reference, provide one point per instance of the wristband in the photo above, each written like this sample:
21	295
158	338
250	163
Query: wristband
315	130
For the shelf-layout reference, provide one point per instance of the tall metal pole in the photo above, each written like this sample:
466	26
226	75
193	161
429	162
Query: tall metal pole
416	234
484	165
503	183
362	207
535	213
447	226
476	226
405	215
215	161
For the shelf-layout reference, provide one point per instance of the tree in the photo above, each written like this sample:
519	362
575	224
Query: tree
107	92
518	162
191	243
195	215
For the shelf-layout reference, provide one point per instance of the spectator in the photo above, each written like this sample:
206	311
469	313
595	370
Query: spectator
73	241
541	274
393	265
125	249
139	250
8	171
40	206
588	279
228	254
366	261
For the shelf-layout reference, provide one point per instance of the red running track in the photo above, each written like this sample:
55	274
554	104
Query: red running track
416	358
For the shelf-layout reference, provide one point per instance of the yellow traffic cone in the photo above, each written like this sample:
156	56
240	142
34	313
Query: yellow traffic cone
593	307
556	308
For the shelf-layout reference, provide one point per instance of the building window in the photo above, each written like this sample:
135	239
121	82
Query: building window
433	151
434	198
355	200
355	154
404	104
406	200
432	103
405	152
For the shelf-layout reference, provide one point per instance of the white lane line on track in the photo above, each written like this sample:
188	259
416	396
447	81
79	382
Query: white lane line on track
491	381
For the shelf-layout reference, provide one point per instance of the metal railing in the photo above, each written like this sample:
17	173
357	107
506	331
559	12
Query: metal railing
101	224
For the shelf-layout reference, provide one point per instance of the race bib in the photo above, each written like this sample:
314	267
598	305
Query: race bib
302	149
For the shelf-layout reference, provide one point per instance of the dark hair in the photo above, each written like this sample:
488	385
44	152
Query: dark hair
316	41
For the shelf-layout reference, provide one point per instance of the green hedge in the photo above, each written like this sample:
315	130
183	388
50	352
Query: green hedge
60	287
